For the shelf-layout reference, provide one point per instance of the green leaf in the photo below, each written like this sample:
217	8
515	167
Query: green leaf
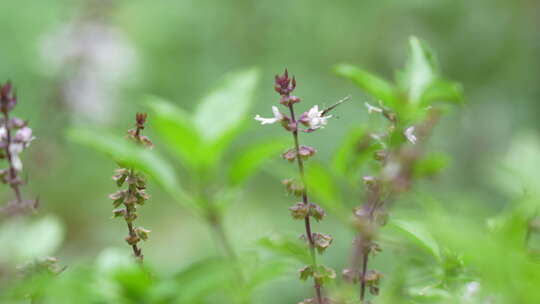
226	107
372	84
133	156
319	182
355	149
251	158
267	271
201	278
284	246
420	70
431	165
177	128
442	91
419	234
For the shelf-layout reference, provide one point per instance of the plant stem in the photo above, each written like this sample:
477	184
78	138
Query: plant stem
305	200
365	258
12	172
129	211
219	230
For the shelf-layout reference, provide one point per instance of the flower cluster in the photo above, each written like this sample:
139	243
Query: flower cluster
126	201
312	120
15	137
396	159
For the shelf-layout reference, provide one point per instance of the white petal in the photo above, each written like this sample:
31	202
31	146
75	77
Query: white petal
16	148
16	161
266	121
23	135
3	133
313	112
409	133
277	113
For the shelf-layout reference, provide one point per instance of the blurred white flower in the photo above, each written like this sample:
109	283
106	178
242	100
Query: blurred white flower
314	118
371	109
18	143
99	61
409	133
278	116
15	149
24	135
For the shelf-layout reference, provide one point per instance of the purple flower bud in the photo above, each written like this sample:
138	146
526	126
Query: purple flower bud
8	98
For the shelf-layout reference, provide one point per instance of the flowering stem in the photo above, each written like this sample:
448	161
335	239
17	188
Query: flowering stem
306	202
13	182
129	214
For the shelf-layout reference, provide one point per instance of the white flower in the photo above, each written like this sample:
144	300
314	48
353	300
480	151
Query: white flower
24	135
20	141
314	118
409	133
371	109
266	121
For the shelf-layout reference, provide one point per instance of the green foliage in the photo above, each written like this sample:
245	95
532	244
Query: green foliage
284	246
419	234
251	158
372	84
200	139
417	87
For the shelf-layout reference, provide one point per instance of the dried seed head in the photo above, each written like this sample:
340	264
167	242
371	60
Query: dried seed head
289	155
142	233
316	212
299	211
293	187
305	272
132	239
306	152
322	241
323	274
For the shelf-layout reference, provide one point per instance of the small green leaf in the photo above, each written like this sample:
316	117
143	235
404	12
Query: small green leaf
226	107
251	158
287	247
420	70
419	235
372	84
177	128
442	91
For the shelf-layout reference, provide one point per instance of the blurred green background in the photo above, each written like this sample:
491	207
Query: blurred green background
93	62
